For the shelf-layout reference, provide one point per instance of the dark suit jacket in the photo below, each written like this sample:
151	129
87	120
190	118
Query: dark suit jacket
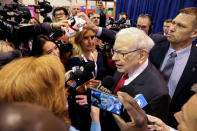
158	38
188	78
151	84
108	36
154	88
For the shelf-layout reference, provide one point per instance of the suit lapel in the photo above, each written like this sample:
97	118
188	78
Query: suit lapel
190	68
116	77
157	54
163	51
138	83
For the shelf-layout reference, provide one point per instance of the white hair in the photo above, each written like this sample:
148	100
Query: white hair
143	41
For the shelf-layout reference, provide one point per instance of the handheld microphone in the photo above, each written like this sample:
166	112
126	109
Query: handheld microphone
106	84
79	75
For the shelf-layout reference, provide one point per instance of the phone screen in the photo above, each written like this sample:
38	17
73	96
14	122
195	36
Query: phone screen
106	102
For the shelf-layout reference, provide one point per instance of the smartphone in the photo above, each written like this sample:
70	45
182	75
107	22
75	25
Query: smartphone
106	102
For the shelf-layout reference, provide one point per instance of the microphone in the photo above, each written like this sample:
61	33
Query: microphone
102	72
106	84
79	75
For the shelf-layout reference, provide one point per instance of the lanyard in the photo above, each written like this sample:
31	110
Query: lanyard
96	68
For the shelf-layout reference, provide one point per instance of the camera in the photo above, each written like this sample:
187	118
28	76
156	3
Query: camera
44	7
120	24
13	17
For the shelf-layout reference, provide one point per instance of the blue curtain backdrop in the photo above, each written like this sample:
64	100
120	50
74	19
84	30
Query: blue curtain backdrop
158	9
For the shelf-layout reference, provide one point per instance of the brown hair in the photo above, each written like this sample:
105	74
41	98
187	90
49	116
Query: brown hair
35	80
146	16
190	11
168	21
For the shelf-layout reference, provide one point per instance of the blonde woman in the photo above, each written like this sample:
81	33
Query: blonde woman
83	51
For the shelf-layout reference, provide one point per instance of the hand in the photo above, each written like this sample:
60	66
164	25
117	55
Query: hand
158	125
57	25
99	43
137	115
95	114
93	83
109	26
89	24
83	100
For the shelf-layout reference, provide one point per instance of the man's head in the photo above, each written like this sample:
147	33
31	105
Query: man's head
96	19
100	6
144	22
60	13
131	49
187	117
28	117
122	15
183	29
75	9
166	26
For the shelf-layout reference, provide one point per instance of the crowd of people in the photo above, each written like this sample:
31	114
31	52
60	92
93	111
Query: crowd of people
161	67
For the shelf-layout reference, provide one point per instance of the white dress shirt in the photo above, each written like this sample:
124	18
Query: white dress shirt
179	66
137	72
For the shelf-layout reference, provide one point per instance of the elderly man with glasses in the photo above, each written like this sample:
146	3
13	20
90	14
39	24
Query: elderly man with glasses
60	13
135	73
130	53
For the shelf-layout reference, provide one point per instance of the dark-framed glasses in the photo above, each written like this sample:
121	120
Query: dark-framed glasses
121	53
141	26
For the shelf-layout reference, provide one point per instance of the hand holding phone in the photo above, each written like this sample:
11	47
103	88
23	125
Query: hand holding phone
106	101
138	117
111	103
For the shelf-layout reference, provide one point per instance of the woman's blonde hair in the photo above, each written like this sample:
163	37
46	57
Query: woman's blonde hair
6	46
35	80
77	41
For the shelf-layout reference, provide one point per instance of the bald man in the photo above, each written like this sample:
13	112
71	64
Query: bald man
76	9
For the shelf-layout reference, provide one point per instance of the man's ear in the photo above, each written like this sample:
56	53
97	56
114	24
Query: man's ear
194	34
143	55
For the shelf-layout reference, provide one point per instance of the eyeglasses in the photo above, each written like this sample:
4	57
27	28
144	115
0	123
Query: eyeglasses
96	18
59	14
141	26
119	53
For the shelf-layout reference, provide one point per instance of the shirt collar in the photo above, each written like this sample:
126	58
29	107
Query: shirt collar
180	53
139	70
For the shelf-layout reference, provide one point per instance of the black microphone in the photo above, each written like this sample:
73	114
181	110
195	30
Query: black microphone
106	84
102	72
79	75
89	66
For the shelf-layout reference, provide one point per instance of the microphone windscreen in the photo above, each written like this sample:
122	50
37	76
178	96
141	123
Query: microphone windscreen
89	66
69	79
108	82
101	73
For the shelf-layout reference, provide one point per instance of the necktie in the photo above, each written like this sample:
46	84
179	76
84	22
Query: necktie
121	82
169	66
